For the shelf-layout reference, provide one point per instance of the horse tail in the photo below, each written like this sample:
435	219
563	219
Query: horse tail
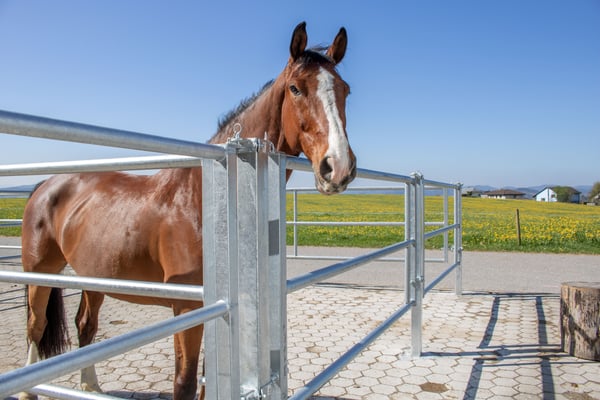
55	339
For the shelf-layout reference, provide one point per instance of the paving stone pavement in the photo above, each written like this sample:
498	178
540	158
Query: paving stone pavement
478	346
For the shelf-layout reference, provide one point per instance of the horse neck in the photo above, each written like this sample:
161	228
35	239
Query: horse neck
262	117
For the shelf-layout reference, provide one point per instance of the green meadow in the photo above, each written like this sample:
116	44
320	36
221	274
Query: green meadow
488	224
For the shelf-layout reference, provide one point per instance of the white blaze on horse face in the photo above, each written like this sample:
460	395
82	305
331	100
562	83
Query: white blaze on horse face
338	151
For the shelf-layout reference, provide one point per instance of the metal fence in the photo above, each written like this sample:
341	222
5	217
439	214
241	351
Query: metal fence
245	283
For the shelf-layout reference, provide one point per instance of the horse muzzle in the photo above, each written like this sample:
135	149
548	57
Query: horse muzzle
332	177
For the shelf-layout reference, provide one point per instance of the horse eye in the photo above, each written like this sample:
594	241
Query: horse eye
295	91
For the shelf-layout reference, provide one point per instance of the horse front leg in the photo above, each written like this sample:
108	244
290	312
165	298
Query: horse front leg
87	326
187	353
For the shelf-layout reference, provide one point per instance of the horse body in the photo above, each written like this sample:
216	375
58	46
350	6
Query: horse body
116	225
134	224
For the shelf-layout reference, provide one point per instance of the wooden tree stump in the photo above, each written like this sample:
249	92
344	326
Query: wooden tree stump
580	319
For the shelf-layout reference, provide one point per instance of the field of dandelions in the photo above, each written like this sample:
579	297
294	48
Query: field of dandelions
488	224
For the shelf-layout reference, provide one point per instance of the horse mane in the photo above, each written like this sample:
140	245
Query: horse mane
243	106
314	55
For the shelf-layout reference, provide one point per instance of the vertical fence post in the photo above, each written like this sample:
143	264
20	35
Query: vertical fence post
277	284
219	231
419	268
458	239
295	205
518	223
445	201
253	258
409	234
244	257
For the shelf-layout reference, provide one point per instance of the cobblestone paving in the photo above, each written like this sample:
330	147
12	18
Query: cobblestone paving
478	346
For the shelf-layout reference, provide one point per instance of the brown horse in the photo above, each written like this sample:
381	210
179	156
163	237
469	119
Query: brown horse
115	225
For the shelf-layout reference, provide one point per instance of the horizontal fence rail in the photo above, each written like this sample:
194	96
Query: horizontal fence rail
33	126
108	164
46	370
322	274
115	286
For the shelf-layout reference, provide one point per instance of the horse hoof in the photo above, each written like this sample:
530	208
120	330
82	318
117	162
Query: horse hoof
86	387
27	396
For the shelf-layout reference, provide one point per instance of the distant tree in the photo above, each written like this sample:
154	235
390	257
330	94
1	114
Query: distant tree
562	194
595	190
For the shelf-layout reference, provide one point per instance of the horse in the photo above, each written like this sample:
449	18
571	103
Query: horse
149	227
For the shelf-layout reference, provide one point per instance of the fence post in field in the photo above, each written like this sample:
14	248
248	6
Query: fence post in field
518	220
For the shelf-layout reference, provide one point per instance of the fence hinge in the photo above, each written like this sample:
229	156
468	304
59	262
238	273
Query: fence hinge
267	390
264	392
249	394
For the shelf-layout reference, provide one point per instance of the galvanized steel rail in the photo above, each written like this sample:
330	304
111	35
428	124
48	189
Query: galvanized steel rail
322	274
115	286
46	370
48	128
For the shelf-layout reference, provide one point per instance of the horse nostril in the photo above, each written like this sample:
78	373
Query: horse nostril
325	169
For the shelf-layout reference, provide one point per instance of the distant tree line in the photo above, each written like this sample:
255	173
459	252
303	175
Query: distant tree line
595	190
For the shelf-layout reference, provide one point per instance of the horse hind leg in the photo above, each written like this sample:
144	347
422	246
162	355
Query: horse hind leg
47	331
87	326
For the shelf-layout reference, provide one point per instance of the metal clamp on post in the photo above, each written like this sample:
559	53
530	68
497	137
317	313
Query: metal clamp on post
255	144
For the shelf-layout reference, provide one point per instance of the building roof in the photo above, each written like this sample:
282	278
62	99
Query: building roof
504	192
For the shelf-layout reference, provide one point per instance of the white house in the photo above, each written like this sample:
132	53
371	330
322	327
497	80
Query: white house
549	194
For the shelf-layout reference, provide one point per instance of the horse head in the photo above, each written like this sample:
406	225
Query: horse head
313	115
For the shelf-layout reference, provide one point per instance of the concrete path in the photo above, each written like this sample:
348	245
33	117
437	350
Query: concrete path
482	271
500	340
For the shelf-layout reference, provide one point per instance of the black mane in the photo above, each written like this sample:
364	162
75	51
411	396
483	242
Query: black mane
244	104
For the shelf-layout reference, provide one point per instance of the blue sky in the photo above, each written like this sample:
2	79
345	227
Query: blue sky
505	93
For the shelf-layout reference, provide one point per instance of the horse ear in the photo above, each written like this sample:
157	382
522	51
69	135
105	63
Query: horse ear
299	39
337	50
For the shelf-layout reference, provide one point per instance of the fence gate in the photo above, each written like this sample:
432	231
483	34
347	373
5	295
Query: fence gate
244	239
